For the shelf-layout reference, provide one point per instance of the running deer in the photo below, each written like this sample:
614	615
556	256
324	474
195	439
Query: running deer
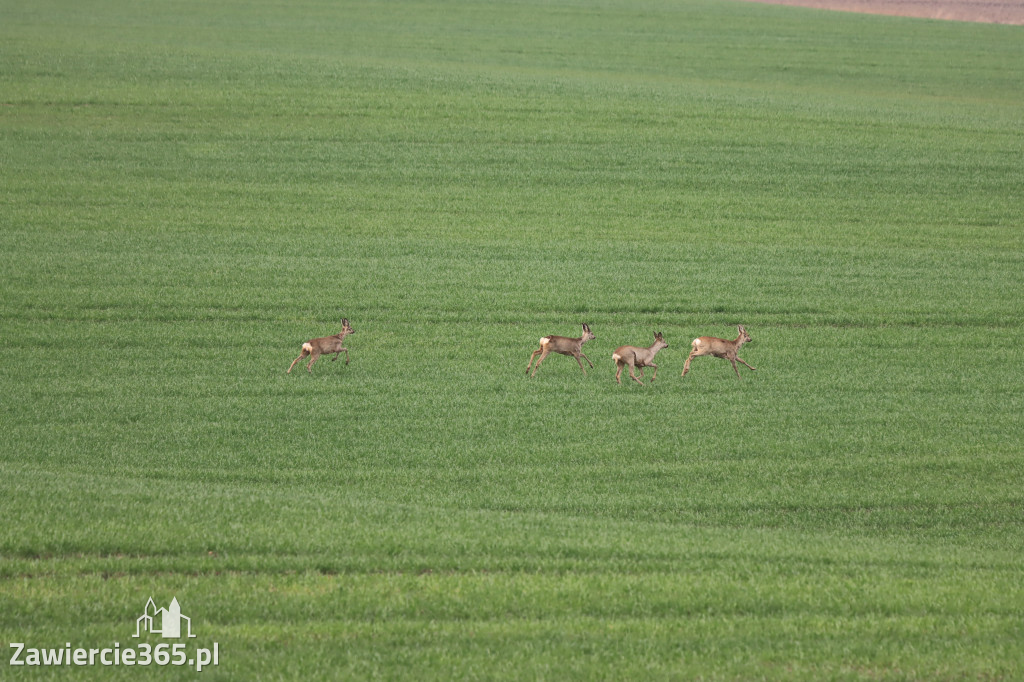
565	346
720	348
325	345
633	356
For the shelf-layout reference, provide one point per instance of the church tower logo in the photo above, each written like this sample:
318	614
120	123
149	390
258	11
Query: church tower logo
165	622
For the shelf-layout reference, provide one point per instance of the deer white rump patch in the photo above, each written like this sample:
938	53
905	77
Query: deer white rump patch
616	357
308	347
696	342
545	341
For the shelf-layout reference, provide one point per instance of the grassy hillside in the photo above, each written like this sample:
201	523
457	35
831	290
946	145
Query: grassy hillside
190	190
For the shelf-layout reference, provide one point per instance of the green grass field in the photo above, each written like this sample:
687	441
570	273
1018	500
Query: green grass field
190	190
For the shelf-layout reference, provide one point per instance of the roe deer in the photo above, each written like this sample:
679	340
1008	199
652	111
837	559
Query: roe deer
326	344
720	348
633	356
565	346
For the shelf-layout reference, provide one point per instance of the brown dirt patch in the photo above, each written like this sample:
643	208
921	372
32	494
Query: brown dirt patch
985	11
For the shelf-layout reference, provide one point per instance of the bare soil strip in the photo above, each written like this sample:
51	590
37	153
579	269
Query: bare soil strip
985	11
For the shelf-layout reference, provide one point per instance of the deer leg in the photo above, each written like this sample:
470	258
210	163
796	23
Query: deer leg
539	350
581	364
304	354
587	359
309	367
336	356
543	354
633	376
686	367
735	369
653	376
346	355
618	374
744	362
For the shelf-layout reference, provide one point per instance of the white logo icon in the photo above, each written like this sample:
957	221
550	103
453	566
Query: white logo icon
166	622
